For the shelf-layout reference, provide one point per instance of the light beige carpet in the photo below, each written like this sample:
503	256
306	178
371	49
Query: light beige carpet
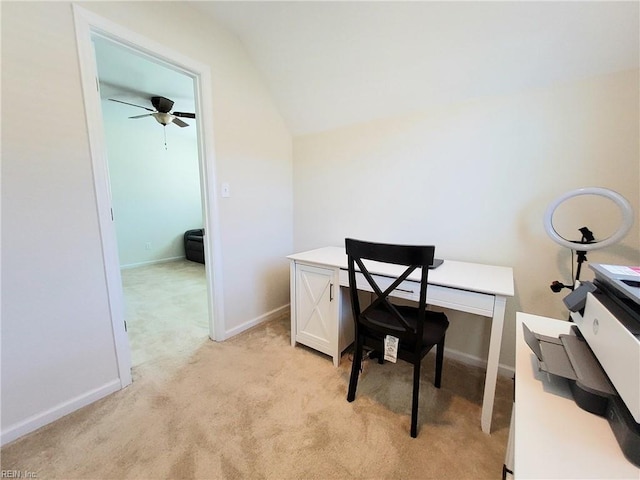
166	310
253	407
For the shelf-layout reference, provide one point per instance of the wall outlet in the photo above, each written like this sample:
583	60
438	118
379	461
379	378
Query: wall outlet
147	246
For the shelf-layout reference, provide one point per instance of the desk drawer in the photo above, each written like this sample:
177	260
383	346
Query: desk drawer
462	300
408	289
438	295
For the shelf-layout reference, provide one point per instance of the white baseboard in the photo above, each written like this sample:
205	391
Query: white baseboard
272	315
151	262
503	370
13	432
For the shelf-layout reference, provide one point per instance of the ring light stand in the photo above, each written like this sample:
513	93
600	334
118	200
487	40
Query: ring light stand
587	242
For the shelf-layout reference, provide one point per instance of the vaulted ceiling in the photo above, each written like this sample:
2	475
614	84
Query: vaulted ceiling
330	64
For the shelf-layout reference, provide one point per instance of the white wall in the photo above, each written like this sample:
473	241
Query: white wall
475	179
155	190
57	344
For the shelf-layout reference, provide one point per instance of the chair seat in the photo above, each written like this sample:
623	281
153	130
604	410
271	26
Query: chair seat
434	330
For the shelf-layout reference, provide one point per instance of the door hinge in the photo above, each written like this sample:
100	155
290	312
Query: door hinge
111	214
125	326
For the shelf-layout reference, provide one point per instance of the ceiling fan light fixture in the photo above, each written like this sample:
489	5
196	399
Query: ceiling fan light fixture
163	118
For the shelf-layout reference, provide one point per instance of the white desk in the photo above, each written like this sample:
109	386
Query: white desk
553	438
321	315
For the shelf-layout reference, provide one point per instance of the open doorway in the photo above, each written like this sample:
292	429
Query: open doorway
153	164
89	25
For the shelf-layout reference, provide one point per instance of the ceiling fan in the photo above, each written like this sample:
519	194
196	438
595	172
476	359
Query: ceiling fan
162	112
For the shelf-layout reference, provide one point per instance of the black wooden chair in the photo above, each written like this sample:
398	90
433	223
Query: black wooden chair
417	329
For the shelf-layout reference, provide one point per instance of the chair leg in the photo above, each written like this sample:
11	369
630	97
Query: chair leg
355	369
439	360
414	404
375	354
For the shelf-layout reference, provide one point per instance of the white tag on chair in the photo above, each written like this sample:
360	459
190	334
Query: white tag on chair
391	348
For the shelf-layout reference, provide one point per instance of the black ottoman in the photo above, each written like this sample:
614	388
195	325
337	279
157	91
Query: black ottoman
194	245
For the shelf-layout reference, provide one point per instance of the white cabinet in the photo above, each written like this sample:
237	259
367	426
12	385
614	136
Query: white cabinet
315	308
317	318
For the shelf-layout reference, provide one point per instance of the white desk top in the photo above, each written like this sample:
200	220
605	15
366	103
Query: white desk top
462	275
554	438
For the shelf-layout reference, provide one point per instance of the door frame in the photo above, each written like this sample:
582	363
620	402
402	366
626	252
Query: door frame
87	24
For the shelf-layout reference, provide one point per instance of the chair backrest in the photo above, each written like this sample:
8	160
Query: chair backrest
410	256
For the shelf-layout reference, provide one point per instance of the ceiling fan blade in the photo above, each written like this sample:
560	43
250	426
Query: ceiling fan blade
179	122
184	114
132	104
141	116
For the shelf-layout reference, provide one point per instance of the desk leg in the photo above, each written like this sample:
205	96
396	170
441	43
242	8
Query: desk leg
292	300
492	363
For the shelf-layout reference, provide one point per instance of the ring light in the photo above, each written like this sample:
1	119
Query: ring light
587	243
619	200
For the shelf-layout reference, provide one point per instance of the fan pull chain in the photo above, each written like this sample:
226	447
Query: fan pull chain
164	129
